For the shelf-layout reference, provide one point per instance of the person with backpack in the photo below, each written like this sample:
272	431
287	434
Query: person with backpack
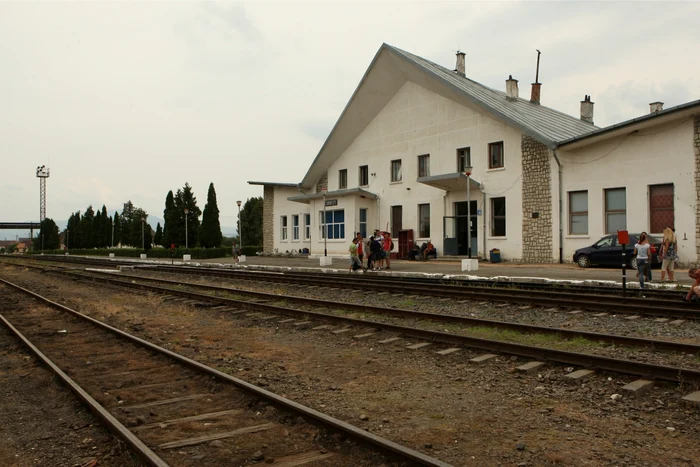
355	263
375	250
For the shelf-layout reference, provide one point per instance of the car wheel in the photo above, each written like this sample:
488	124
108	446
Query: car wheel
583	261
633	263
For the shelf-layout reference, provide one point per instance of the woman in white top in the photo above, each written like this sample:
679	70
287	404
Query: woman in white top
643	251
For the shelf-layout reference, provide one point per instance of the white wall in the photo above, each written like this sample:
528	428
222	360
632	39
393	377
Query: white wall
657	155
418	121
284	207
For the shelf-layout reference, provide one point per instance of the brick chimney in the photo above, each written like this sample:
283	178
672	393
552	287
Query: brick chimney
587	109
460	64
511	88
535	95
656	107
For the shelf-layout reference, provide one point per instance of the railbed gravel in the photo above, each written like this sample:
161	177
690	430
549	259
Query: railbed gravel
644	327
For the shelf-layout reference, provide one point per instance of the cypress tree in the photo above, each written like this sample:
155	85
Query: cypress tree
169	221
210	236
48	238
158	238
117	228
185	199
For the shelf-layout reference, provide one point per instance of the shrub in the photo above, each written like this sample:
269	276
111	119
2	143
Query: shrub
250	250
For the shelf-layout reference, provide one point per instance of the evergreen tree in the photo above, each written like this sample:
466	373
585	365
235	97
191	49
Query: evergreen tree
106	233
185	199
158	238
251	221
48	238
97	224
210	233
117	228
170	231
73	237
85	228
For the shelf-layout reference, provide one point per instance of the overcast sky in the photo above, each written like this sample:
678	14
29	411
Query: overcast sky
127	100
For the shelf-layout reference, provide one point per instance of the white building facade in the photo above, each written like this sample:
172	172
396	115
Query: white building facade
542	183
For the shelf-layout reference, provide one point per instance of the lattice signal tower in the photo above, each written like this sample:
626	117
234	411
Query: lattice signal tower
42	173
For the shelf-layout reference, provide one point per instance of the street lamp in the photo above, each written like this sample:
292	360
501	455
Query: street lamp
325	227
187	247
240	234
143	233
468	172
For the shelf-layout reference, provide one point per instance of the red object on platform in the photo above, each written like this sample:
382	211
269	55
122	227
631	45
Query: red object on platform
623	237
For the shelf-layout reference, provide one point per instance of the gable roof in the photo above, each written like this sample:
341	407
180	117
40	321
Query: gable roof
391	67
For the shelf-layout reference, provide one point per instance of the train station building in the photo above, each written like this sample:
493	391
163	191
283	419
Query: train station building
542	183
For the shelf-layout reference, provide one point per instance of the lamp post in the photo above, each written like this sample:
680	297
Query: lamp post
468	172
143	233
325	227
187	247
240	234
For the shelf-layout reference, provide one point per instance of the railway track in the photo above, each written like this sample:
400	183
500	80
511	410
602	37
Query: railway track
268	308
665	304
163	404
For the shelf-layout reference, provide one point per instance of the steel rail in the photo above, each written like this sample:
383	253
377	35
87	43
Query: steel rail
439	317
326	420
646	370
114	425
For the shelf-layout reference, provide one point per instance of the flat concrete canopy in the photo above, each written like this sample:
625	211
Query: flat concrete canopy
334	194
449	182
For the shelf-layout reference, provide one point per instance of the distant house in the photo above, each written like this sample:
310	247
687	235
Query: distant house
543	183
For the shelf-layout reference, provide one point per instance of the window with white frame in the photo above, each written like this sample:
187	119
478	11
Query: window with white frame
615	210
424	165
498	217
424	220
295	227
364	175
334	225
363	222
578	212
396	171
342	179
283	224
307	226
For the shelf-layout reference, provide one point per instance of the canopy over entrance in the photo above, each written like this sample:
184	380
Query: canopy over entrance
358	192
449	182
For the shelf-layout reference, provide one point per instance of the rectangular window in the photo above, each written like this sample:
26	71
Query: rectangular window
396	171
615	210
496	155
424	220
464	159
307	226
342	179
424	165
363	222
295	227
578	213
396	220
283	223
498	217
364	175
661	207
335	224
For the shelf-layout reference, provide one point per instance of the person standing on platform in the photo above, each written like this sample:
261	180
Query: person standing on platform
643	252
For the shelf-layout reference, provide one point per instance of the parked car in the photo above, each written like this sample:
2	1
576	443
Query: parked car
607	251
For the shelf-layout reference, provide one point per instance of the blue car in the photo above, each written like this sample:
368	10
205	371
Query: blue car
607	252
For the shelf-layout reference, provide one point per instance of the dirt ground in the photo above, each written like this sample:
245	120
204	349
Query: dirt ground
459	412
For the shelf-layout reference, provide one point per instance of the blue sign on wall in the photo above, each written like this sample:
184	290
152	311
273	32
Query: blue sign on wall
478	212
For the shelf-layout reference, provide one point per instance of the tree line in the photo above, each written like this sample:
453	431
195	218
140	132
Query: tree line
181	226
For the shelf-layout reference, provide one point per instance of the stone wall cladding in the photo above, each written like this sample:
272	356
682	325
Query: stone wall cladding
322	182
268	219
537	197
696	146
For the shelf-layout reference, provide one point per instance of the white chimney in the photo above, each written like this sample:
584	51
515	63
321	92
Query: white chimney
511	88
587	109
460	64
656	107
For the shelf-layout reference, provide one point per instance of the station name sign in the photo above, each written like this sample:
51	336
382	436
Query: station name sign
331	202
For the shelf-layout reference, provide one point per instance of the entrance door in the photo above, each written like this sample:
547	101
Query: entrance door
461	213
396	220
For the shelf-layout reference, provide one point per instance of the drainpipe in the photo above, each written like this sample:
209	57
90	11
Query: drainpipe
561	213
483	219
